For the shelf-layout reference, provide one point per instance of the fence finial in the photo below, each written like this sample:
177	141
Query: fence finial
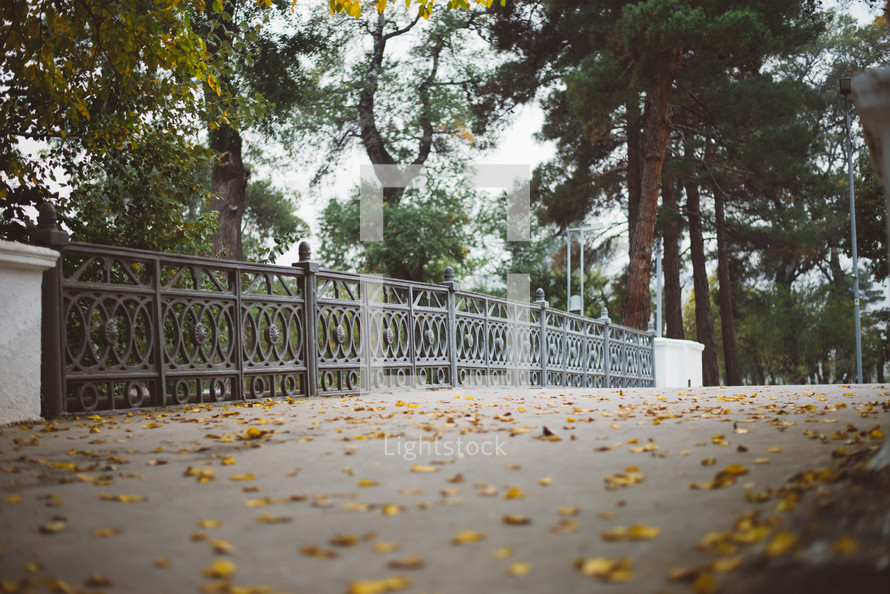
48	233
304	251
604	314
46	217
449	274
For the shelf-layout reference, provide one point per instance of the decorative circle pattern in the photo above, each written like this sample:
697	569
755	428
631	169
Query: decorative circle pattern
199	334
272	334
110	332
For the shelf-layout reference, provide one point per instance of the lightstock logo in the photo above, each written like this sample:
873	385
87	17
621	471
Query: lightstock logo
411	449
513	179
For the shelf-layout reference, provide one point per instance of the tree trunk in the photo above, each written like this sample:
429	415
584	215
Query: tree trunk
673	298
229	181
634	163
704	326
730	354
656	133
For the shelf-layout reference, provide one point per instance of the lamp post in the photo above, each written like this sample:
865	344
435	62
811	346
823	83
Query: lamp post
846	87
658	288
580	231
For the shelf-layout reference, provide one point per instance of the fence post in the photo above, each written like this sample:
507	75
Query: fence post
543	351
160	338
448	281
310	288
651	371
50	236
584	353
607	356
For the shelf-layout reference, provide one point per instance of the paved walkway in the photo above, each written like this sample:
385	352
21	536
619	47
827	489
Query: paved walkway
489	490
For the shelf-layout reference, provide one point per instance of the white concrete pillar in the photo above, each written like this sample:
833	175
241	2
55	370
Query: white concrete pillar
678	363
21	277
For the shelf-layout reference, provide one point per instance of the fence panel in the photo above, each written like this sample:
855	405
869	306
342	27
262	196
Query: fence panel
148	329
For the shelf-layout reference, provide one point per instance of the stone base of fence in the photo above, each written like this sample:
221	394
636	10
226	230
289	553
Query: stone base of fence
21	277
677	363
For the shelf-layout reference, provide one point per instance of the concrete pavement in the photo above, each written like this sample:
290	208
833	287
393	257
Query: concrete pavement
451	491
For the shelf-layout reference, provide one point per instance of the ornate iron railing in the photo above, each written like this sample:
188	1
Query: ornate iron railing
137	328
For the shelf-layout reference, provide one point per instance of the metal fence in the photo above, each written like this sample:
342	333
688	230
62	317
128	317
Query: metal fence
127	329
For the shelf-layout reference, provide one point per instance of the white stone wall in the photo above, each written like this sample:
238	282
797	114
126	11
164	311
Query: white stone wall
21	276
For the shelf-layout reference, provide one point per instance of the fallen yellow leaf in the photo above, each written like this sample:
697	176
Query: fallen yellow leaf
705	583
390	584
318	553
409	562
162	562
467	536
222	547
268	518
782	543
122	498
727	564
516	520
391	509
424	468
254	433
846	546
97	580
220	569
514	493
344	540
385	547
52	527
608	570
519	569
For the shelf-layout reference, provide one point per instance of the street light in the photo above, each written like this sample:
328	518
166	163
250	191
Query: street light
580	231
658	254
846	87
